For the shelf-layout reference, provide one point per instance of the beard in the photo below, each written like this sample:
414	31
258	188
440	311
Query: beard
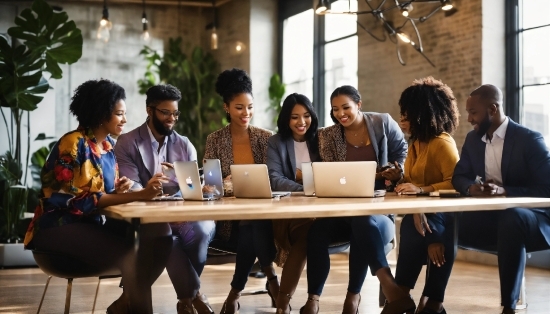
484	126
159	127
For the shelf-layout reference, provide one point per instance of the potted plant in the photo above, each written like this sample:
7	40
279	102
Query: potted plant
195	76
40	40
276	91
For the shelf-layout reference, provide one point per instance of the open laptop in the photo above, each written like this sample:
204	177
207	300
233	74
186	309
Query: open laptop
252	181
212	174
307	179
345	179
187	173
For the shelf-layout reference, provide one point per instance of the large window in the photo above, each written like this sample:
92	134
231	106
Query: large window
534	65
319	53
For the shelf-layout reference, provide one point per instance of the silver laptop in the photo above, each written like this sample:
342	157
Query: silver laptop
345	179
252	181
213	174
307	179
187	173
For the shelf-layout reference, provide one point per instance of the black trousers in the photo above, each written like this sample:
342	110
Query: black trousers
511	233
107	245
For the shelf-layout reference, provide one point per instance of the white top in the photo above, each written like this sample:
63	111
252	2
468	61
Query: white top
493	153
159	155
301	153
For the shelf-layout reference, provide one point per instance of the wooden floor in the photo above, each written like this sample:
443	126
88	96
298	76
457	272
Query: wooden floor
472	289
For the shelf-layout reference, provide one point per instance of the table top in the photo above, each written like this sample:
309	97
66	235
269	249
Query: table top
308	207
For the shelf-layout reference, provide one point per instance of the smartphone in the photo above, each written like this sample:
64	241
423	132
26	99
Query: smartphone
170	173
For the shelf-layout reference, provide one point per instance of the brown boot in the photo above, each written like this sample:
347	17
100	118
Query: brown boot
200	303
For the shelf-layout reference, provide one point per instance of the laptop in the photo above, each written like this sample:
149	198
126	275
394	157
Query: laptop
345	179
307	179
212	174
252	181
187	173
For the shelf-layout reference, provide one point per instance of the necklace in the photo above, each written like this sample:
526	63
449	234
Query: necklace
360	135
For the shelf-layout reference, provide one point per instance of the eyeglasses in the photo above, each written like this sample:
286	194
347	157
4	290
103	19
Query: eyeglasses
167	113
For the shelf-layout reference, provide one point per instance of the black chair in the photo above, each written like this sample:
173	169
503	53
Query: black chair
64	266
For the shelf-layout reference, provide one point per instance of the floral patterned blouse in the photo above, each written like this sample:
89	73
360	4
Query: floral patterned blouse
74	178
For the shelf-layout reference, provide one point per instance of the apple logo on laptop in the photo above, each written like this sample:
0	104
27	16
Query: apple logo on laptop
343	180
210	173
189	182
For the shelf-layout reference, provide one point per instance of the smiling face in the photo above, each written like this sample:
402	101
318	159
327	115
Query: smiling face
116	123
345	110
479	114
300	121
240	109
162	116
405	125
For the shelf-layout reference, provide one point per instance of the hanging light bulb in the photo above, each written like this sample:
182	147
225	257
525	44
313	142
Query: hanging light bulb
446	5
145	35
104	29
405	10
214	39
404	38
323	7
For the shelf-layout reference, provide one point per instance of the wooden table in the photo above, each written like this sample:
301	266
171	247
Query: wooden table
307	207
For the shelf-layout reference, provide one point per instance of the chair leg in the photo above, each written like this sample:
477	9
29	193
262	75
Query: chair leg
522	302
44	294
95	297
68	297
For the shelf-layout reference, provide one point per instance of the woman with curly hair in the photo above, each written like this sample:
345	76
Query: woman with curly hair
241	143
296	142
80	177
430	115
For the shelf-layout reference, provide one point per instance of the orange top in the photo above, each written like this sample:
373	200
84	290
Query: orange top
242	153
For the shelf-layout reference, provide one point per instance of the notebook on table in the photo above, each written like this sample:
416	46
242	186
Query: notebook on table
252	181
345	179
187	173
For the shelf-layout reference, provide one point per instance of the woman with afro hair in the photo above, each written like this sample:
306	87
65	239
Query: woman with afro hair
241	143
80	177
430	115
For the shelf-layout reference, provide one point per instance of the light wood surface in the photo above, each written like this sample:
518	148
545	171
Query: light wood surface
308	207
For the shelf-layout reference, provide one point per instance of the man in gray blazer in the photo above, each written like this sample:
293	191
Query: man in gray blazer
143	152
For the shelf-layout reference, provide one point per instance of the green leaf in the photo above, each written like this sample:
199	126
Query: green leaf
53	67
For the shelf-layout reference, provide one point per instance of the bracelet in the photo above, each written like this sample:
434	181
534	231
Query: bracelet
421	190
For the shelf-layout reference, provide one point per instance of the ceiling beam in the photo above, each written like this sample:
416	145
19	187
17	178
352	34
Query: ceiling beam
151	2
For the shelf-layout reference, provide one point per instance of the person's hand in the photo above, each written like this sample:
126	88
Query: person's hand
209	189
407	187
393	174
123	185
436	253
486	189
154	186
421	224
167	165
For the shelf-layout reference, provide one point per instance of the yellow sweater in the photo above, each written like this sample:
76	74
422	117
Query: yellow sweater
435	165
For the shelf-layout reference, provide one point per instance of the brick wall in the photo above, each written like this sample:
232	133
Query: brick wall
453	43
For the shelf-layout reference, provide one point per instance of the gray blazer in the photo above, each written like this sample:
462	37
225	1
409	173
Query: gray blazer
281	162
134	154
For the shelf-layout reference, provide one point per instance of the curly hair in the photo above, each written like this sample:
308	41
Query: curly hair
93	102
159	93
346	90
430	107
283	120
231	83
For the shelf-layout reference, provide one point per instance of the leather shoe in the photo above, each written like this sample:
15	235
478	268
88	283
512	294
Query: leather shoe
201	304
120	306
403	305
185	309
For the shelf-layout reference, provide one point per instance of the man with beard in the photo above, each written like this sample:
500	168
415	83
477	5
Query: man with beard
501	157
145	151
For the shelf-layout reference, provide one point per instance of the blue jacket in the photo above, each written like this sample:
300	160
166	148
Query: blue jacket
525	165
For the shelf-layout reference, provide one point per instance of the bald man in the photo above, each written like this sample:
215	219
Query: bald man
501	157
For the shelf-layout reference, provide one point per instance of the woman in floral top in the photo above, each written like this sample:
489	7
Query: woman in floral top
81	176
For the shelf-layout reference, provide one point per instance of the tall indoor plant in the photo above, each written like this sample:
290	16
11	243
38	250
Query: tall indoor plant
194	74
40	40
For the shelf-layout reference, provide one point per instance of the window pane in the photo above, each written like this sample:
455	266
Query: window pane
340	68
340	25
536	109
298	53
536	63
535	13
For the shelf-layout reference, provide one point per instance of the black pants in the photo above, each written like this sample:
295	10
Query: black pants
368	235
512	233
413	253
106	245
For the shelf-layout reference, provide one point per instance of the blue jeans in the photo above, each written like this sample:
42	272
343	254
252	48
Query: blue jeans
188	256
367	235
413	253
255	240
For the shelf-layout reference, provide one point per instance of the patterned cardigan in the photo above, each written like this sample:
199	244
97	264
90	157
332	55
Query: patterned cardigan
220	146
